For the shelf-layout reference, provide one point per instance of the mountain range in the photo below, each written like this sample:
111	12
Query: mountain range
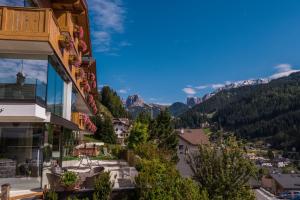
135	104
266	109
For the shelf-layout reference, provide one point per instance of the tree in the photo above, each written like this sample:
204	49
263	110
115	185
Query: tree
105	130
223	171
144	117
162	131
270	154
159	180
111	100
138	134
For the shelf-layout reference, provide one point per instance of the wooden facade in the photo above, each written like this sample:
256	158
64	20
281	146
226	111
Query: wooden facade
52	22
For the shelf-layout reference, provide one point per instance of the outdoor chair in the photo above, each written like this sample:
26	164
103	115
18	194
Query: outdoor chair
54	182
89	182
98	170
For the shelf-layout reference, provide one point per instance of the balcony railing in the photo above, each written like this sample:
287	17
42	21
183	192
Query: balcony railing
33	92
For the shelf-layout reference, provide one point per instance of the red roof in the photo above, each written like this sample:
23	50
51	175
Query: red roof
193	136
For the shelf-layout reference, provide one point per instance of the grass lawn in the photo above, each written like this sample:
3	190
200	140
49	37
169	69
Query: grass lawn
90	138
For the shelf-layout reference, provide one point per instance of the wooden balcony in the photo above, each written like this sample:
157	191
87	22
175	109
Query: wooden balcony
77	118
35	31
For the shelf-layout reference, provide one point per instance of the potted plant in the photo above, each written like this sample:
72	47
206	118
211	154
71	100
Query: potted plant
87	88
65	41
80	74
70	181
74	60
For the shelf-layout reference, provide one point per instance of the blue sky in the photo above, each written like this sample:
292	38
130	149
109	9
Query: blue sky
168	50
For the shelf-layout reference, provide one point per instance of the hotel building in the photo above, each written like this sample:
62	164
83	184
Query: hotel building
47	86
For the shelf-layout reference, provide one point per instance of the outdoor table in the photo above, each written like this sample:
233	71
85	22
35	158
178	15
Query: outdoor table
82	173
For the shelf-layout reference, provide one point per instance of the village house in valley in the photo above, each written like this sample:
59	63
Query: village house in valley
122	129
189	141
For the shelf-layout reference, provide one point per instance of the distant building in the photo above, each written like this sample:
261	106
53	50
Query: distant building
189	140
122	129
278	183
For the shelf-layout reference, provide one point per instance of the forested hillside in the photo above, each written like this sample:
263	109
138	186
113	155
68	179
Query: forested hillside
267	110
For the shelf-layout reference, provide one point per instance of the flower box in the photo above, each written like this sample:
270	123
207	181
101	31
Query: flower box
74	60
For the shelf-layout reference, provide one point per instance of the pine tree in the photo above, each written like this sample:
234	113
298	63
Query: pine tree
105	130
162	131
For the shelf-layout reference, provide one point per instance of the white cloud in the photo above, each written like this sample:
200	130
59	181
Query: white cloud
283	67
153	99
108	17
201	87
125	44
32	69
163	103
217	86
189	91
283	70
123	91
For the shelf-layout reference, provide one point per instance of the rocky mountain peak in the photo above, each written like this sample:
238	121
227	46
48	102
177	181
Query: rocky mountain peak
134	100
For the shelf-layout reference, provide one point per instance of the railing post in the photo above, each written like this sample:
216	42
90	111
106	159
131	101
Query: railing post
4	18
5	190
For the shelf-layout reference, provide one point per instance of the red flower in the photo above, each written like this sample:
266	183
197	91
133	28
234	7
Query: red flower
94	84
92	77
79	32
82	46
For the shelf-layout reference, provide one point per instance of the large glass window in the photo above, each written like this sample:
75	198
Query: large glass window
23	79
19	3
21	155
55	91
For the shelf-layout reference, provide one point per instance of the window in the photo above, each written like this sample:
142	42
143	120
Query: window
54	91
19	3
74	100
23	79
21	155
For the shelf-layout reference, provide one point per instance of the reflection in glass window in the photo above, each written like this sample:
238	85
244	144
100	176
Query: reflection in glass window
55	91
18	3
74	100
21	155
23	79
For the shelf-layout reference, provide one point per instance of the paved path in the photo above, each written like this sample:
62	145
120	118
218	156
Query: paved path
260	195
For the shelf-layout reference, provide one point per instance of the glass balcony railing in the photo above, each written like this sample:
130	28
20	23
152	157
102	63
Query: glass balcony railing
33	92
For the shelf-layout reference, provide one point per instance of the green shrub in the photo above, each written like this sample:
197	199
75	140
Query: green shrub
51	195
69	179
103	187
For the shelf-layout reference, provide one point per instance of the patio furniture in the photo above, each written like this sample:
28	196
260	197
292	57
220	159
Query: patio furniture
54	182
84	158
7	168
89	182
98	169
125	183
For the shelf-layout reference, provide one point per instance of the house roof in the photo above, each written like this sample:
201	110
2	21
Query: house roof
193	136
123	121
287	181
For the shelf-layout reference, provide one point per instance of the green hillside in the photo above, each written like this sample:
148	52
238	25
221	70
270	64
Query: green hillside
269	110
